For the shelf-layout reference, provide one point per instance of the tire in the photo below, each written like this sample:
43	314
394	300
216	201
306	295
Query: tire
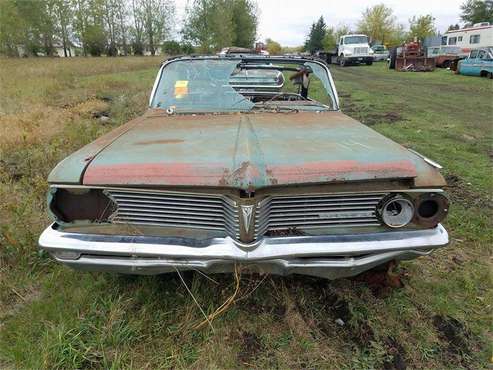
446	64
490	75
342	61
369	62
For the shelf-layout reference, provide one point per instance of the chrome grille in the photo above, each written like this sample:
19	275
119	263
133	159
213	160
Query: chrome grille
360	51
316	211
170	209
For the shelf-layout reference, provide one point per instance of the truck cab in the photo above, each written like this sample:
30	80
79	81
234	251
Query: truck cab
353	49
478	63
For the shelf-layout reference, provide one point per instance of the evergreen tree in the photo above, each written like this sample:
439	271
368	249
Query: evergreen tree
315	39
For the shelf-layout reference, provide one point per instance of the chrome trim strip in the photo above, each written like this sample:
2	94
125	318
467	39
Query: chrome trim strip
426	159
156	84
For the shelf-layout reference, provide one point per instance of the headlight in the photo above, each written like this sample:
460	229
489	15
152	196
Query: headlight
80	204
397	212
431	208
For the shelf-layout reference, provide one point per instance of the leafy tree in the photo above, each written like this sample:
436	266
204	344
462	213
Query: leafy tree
314	41
329	42
453	27
341	30
273	47
292	49
187	48
109	13
63	14
378	23
89	26
11	26
476	11
245	23
171	48
397	37
422	27
137	30
95	40
80	22
214	24
201	25
157	20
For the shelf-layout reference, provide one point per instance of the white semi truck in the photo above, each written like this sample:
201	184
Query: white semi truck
351	49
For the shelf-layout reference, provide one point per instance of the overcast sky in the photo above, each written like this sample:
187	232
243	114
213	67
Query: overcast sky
288	21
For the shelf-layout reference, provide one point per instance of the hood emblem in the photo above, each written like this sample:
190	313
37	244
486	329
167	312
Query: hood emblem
247	213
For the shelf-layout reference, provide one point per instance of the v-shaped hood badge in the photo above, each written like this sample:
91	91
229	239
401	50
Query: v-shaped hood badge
247	215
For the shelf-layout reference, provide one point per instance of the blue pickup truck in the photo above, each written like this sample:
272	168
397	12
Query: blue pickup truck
478	63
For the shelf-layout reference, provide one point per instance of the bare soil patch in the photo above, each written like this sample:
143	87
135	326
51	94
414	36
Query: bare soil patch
462	192
250	347
454	332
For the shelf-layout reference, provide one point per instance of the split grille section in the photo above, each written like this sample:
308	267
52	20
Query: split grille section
216	212
317	211
193	211
359	51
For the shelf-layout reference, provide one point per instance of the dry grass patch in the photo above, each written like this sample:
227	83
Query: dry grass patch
37	123
91	108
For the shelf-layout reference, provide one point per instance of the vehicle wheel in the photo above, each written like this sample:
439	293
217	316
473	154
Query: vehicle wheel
446	64
342	61
453	65
369	62
490	75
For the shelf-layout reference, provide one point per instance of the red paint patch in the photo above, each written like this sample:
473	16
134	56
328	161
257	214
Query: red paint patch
196	174
155	174
341	171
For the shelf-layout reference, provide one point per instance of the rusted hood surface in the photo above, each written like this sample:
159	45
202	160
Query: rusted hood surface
247	151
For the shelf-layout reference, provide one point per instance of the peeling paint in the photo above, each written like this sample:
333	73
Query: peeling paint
247	151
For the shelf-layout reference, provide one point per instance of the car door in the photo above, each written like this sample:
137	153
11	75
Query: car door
485	62
468	66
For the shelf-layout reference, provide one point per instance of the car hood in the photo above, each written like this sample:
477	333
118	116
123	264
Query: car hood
243	151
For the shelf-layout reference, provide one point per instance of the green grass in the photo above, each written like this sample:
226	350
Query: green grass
53	317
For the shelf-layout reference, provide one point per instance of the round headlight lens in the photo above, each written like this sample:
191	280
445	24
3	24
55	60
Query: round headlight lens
397	212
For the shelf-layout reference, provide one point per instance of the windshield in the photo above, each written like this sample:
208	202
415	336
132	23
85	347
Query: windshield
356	40
242	85
379	48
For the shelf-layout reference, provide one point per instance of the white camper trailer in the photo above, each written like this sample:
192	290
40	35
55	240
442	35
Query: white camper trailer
478	36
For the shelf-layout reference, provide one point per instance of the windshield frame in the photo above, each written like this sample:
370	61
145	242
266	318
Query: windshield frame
355	37
332	93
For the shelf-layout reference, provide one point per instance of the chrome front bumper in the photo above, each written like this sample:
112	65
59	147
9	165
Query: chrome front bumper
329	256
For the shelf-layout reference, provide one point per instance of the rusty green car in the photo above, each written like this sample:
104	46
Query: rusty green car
268	175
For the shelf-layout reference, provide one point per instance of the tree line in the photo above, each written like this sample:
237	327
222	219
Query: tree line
123	27
380	25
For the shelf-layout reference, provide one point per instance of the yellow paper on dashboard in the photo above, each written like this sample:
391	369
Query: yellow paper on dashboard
181	89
